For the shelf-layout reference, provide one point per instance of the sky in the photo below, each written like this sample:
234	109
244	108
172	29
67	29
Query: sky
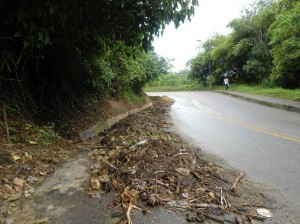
211	17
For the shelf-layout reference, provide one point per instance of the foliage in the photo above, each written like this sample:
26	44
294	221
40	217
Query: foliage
285	41
263	47
171	82
55	52
271	92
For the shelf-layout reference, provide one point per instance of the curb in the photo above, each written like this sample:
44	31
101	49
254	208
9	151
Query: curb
101	126
265	103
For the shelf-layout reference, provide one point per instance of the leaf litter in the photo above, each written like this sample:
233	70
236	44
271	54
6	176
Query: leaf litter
151	166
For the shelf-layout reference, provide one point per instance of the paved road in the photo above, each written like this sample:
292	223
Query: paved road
263	141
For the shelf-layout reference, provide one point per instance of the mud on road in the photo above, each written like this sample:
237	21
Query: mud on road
139	171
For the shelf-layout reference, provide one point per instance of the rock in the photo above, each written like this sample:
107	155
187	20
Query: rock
31	179
4	206
231	218
214	211
183	171
264	212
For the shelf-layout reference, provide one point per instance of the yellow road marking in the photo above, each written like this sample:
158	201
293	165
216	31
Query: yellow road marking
244	124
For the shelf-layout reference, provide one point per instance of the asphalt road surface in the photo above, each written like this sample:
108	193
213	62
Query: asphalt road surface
262	141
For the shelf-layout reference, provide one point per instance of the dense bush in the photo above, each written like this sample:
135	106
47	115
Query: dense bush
54	52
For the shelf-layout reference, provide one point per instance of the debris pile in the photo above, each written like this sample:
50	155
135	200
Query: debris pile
151	166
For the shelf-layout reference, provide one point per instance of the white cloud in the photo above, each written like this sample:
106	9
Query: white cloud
212	16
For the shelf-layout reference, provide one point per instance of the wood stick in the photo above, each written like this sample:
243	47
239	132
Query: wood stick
178	185
109	164
205	205
242	174
5	120
129	220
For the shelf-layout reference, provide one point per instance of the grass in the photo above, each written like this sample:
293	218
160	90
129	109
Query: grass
132	97
258	90
271	92
173	82
172	88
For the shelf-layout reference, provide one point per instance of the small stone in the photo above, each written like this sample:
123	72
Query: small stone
31	179
214	211
231	218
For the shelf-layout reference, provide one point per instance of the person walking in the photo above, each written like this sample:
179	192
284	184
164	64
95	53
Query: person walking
226	82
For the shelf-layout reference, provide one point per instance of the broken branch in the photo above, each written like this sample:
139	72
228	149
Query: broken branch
242	174
112	166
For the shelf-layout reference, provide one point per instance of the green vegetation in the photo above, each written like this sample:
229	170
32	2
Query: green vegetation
172	82
272	92
263	48
56	53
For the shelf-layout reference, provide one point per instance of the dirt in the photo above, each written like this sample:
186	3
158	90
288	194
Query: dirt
138	159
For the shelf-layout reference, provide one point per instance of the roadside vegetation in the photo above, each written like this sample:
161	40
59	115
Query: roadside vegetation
260	56
262	49
172	82
183	83
59	55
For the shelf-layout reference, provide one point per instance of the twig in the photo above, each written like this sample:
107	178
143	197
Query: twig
224	199
40	221
178	185
112	166
205	205
128	213
242	174
250	219
155	184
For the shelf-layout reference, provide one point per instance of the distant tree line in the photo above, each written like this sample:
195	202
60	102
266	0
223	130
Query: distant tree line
263	47
54	52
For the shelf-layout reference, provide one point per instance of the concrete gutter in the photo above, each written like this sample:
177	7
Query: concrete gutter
101	126
288	105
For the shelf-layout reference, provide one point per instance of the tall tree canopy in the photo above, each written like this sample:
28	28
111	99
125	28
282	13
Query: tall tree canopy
53	50
263	47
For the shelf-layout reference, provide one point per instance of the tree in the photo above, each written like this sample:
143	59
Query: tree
53	51
285	43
